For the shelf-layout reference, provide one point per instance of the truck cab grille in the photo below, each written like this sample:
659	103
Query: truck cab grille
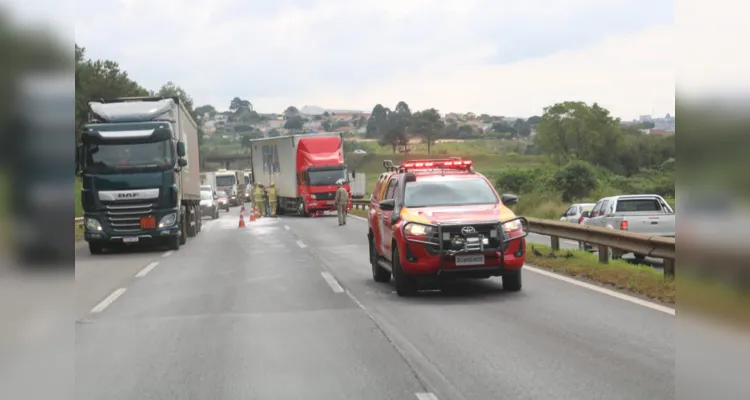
126	217
325	196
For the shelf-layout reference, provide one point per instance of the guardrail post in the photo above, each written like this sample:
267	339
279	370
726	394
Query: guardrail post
603	254
669	268
554	242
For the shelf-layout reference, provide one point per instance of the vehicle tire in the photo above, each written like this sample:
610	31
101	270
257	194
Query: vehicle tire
173	243
192	223
183	228
405	285
612	254
582	246
379	274
96	248
639	257
512	281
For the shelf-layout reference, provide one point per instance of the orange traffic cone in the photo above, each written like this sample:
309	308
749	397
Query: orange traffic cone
252	215
242	220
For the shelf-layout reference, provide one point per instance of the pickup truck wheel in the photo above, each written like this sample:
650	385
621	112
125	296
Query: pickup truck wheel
405	285
379	274
96	248
512	281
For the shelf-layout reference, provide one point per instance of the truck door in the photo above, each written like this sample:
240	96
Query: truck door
386	227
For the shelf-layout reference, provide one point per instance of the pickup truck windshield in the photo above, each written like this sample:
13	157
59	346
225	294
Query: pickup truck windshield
326	177
636	205
226	180
103	158
449	192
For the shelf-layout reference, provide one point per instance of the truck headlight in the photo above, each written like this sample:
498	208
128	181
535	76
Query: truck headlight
418	230
312	196
167	220
92	224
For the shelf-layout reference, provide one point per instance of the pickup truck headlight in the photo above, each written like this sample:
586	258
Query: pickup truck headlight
512	226
92	224
418	230
168	220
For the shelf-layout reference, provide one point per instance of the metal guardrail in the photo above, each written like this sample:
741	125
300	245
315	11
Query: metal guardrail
649	246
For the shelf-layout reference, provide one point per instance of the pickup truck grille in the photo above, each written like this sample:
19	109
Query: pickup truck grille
126	217
455	232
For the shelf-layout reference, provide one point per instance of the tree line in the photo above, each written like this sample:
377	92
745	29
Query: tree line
102	79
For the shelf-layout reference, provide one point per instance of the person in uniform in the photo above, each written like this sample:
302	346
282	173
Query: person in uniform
258	199
273	199
267	209
342	202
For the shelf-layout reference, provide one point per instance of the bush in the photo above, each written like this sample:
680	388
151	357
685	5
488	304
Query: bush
575	180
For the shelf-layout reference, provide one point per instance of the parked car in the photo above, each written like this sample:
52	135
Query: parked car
574	213
209	206
222	199
647	214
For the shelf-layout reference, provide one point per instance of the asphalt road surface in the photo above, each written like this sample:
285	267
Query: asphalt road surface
287	309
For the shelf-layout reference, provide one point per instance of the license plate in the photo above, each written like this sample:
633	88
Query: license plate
332	202
148	223
129	239
470	260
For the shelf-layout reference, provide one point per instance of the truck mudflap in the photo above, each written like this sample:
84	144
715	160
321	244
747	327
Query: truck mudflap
465	239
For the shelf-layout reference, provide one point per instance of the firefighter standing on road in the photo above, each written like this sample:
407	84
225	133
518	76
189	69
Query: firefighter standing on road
258	199
342	202
273	199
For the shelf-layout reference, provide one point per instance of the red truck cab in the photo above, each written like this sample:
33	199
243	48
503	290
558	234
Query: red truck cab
320	164
439	218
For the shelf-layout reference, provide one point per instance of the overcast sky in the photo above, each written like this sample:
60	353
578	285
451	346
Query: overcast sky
495	56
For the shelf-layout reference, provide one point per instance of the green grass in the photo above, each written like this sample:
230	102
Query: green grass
78	207
620	274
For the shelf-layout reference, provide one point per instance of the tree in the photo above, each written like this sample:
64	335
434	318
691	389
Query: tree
239	105
326	126
294	123
377	125
534	120
522	128
273	133
396	125
206	109
428	124
290	112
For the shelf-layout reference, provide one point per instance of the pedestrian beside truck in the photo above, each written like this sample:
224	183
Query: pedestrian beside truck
273	199
342	202
258	199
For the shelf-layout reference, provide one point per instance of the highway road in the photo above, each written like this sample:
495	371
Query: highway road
287	309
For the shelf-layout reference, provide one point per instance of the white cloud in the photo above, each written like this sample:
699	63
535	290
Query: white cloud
449	54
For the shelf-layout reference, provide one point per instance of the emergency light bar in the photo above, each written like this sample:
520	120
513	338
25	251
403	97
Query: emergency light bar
453	163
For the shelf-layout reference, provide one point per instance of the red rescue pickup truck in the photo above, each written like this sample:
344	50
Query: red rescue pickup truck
440	218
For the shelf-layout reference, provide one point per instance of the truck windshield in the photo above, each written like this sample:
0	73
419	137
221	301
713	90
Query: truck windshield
326	177
103	158
449	192
226	180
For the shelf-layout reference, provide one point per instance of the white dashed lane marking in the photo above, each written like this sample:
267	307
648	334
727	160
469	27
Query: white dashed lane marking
332	282
167	254
300	244
108	301
147	269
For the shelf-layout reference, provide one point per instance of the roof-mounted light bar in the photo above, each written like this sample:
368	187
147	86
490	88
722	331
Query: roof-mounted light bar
451	163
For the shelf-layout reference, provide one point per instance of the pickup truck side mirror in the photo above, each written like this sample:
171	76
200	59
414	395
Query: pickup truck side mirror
180	149
509	199
387	205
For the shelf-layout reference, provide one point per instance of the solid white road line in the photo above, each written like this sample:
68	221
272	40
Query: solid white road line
167	254
602	290
358	217
286	227
426	396
108	301
146	270
300	244
332	282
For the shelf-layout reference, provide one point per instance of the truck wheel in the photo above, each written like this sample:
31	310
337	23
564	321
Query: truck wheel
183	228
96	248
192	224
379	274
512	281
174	243
405	285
